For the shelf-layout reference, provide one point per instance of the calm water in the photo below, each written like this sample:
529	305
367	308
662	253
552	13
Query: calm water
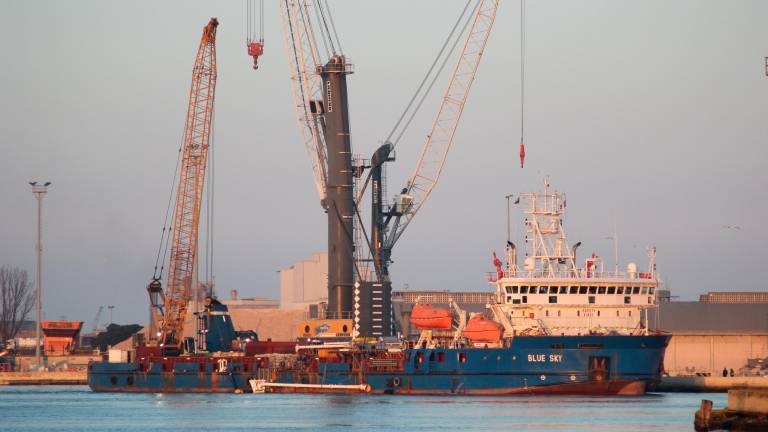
76	408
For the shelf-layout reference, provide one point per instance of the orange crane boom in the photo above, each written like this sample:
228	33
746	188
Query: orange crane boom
189	195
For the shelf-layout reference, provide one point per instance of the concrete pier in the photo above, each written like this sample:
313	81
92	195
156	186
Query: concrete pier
43	378
747	410
708	384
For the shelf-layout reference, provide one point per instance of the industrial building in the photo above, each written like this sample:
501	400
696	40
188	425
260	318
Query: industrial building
723	330
304	283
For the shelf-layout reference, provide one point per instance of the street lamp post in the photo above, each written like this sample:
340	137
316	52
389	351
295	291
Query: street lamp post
39	191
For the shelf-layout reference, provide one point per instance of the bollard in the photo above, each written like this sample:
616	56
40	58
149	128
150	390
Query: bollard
703	415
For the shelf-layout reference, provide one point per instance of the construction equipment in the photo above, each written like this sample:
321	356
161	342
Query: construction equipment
253	42
97	319
169	307
320	99
306	85
389	224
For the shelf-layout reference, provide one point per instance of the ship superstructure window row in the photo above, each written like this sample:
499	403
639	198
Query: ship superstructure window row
583	289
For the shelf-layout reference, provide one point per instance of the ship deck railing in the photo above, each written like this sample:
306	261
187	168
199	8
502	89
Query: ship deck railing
586	275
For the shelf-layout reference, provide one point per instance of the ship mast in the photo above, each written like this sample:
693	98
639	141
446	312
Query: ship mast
546	251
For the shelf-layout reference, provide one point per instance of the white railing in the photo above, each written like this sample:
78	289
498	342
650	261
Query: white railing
573	274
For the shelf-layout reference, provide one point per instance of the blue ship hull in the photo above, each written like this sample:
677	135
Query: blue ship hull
531	364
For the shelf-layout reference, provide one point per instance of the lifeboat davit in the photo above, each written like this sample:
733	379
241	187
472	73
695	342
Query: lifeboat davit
481	329
428	317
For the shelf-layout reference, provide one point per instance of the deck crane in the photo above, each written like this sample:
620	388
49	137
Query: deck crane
321	103
388	225
306	85
169	308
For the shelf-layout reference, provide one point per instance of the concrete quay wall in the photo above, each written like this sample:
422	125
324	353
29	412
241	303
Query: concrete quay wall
709	384
43	378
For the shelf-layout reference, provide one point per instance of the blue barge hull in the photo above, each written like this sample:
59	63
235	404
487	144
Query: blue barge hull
601	365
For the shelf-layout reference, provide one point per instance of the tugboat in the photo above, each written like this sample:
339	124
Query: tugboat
554	327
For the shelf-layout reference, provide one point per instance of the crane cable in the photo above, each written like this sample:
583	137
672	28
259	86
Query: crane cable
427	76
208	271
522	82
165	237
333	27
522	70
250	21
324	31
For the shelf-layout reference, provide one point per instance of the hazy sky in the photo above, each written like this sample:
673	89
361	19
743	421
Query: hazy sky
649	114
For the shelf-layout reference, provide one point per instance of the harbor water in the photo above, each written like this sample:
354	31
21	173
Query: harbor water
76	408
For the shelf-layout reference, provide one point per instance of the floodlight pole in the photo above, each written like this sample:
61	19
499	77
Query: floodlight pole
39	191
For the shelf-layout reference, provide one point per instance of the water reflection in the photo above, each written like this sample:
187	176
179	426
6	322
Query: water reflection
76	409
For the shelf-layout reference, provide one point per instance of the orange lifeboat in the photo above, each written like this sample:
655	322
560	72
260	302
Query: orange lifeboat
428	317
481	329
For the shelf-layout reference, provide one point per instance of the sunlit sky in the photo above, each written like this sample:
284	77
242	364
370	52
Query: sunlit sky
650	115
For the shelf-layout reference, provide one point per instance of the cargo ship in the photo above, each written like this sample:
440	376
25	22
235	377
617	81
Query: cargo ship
554	327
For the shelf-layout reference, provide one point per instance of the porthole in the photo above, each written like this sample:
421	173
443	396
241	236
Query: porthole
344	328
306	329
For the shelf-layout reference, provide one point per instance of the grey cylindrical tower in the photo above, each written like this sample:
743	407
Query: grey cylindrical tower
339	201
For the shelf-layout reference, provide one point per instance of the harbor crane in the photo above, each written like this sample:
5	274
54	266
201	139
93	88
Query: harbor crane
320	101
169	307
388	225
322	111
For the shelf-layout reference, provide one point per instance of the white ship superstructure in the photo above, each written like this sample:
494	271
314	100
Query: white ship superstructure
552	294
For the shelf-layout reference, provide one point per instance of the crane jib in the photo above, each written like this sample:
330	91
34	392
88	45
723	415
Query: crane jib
172	307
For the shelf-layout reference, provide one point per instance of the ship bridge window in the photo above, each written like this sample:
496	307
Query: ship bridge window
523	290
644	291
515	289
620	290
516	301
650	290
601	290
582	290
509	289
593	290
636	290
563	290
592	299
543	290
509	299
553	290
552	299
525	299
611	290
573	290
627	300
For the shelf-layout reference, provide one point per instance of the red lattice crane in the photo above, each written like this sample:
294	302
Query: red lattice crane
169	308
